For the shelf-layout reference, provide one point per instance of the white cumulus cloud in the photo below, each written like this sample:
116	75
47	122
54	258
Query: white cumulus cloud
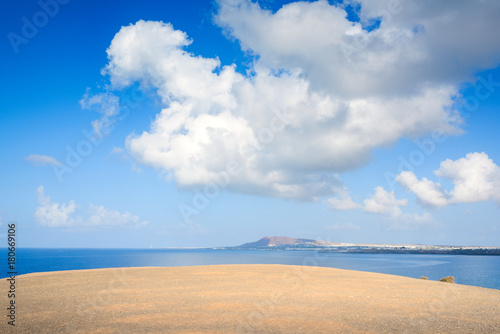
475	178
53	214
306	110
414	46
384	202
428	192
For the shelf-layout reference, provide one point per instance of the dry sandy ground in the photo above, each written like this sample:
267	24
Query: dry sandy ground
246	299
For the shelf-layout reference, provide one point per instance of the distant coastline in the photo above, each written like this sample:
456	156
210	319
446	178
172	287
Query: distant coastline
287	243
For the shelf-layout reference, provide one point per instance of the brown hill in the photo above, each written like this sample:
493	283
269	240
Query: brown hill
280	241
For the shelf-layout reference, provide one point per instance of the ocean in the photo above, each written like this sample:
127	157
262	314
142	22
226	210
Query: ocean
483	271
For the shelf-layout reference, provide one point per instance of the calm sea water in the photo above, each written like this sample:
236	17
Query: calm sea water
481	271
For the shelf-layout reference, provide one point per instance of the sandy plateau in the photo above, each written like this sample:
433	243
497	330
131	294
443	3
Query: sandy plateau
246	299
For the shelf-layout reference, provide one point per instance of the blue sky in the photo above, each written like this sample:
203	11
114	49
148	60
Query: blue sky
350	122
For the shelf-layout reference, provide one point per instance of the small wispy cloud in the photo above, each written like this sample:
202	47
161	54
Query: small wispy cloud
344	227
412	222
101	216
106	104
118	151
42	160
53	214
122	155
385	203
189	229
381	202
343	202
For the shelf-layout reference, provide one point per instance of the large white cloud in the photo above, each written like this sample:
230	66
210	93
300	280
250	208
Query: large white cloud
419	43
53	214
308	109
456	37
475	178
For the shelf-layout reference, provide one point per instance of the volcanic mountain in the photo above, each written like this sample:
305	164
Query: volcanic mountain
280	241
